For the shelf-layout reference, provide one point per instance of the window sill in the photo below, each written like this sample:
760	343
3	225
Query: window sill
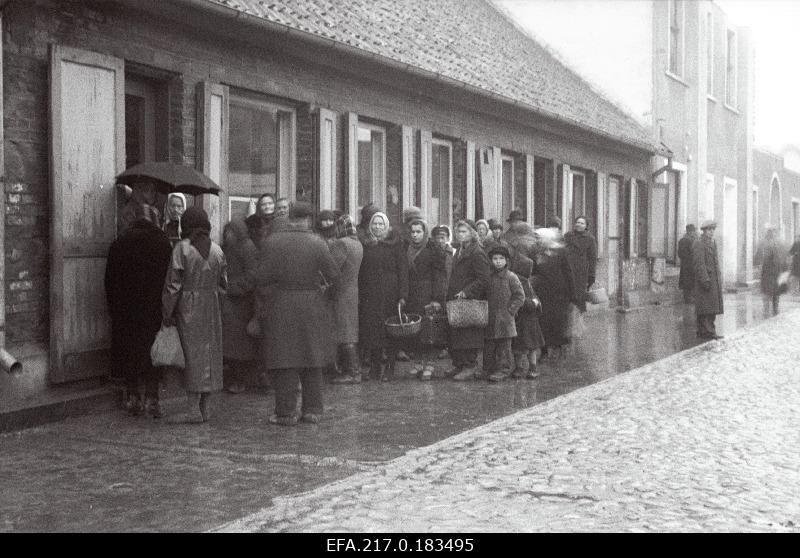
732	109
711	98
676	78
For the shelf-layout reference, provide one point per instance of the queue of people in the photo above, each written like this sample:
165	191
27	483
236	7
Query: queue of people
294	301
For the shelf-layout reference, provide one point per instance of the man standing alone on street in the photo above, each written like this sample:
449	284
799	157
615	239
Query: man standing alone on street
708	282
686	277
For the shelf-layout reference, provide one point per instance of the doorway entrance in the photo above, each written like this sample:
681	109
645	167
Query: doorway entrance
730	233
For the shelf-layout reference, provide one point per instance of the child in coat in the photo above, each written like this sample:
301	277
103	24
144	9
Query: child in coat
529	339
506	297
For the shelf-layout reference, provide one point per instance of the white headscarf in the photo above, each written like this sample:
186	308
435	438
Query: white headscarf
168	215
385	220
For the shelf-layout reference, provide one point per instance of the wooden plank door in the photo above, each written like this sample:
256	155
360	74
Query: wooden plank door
87	93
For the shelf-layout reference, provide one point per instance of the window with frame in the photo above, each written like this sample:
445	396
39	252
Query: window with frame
710	53
371	165
730	69
440	204
676	37
259	145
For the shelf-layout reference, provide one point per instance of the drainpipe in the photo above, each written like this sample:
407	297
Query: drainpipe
7	361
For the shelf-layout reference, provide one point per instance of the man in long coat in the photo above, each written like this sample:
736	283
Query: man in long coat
135	271
299	340
686	277
708	282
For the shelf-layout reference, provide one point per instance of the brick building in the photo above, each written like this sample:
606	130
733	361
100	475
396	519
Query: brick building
445	105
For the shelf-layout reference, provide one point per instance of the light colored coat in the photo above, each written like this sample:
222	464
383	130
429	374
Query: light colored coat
191	295
347	252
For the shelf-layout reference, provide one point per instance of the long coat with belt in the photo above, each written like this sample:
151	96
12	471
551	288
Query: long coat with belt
552	279
191	295
296	317
348	253
506	297
382	281
686	277
471	275
135	270
707	272
238	303
582	257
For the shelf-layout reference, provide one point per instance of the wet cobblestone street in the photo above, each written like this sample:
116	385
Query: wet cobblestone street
704	440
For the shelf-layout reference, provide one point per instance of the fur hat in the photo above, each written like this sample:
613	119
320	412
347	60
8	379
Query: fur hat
441	229
495	224
499	249
410	213
366	214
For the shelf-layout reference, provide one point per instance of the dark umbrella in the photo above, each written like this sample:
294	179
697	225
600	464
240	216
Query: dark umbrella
170	177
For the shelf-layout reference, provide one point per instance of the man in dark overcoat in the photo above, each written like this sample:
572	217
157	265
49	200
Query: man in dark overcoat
299	335
708	282
135	270
686	277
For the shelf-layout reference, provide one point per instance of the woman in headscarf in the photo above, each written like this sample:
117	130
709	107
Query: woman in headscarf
239	349
483	230
469	279
382	283
426	287
190	300
173	210
552	280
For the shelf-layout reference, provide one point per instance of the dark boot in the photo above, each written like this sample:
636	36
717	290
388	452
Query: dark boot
351	370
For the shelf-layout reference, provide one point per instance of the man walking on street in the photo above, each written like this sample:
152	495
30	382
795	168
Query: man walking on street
686	277
708	282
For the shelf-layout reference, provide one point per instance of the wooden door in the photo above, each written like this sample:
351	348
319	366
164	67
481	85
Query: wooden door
87	93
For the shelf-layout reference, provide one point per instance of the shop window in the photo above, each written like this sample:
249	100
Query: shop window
440	208
371	165
260	150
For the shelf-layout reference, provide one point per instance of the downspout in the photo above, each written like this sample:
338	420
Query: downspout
7	361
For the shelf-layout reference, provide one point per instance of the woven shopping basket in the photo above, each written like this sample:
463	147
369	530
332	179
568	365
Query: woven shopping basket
462	313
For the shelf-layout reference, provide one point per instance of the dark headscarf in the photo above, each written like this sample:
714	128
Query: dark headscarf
345	227
326	215
196	227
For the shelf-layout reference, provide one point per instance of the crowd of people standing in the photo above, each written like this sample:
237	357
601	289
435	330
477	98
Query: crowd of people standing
291	299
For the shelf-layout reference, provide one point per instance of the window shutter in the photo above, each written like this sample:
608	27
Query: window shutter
529	198
470	201
631	217
327	160
497	161
287	159
407	133
601	214
425	174
212	149
566	196
657	217
352	164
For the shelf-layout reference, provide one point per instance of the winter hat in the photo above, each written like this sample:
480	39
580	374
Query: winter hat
495	224
499	249
554	221
441	229
515	215
326	215
410	213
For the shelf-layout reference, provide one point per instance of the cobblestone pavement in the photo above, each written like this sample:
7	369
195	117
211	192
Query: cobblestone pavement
704	440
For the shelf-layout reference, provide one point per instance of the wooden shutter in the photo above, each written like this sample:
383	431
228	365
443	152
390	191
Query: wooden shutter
212	149
657	217
87	117
529	189
425	172
497	169
407	149
327	160
566	197
601	214
470	201
352	164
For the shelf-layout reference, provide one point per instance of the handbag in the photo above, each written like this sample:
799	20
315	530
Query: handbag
167	349
464	312
597	296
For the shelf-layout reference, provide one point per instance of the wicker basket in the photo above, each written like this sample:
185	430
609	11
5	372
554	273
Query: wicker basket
464	312
403	325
